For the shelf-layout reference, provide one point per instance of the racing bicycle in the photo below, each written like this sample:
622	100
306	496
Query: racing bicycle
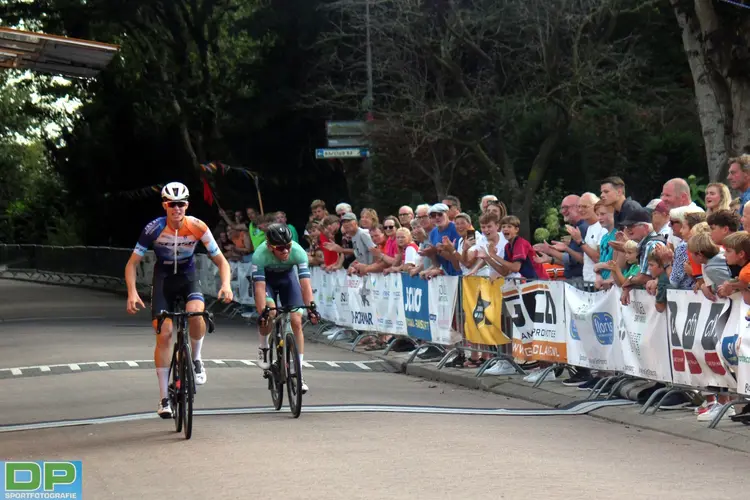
285	367
182	387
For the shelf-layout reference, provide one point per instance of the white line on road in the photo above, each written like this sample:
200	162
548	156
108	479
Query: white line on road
333	364
51	318
580	408
218	361
307	365
74	367
132	363
102	364
16	371
247	362
44	368
362	365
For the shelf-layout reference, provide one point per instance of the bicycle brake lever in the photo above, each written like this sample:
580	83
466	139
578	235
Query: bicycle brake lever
211	326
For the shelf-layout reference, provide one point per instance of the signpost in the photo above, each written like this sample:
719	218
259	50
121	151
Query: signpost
324	154
346	139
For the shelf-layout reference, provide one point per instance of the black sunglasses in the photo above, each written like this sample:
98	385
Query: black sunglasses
173	204
389	227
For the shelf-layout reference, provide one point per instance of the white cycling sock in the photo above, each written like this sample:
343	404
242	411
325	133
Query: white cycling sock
301	357
196	345
163	375
263	341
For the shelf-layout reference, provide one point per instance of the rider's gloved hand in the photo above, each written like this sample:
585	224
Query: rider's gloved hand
313	314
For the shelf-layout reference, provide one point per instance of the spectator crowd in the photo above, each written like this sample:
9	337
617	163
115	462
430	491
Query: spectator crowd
611	240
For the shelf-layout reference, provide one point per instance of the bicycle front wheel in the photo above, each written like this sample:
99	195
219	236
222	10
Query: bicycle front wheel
275	375
187	392
293	375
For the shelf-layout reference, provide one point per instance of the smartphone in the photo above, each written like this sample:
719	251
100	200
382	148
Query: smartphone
471	234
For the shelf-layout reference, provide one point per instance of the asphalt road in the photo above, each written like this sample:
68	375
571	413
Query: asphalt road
68	353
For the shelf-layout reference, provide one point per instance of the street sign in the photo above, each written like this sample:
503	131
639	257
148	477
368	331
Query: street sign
323	154
345	128
347	142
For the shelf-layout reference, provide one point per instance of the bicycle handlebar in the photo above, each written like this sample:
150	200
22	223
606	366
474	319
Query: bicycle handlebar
207	317
287	309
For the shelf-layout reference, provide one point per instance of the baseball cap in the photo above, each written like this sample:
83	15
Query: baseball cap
662	208
348	216
637	216
438	208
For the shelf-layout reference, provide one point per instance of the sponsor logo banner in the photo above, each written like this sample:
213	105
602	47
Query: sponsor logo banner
642	338
416	307
483	308
590	319
441	293
534	313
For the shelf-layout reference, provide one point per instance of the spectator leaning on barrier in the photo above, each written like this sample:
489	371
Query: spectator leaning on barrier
660	284
405	215
722	224
605	216
485	201
314	252
568	254
519	254
660	219
638	228
630	268
713	263
443	235
717	197
613	194
361	242
737	255
407	252
491	250
454	206
589	241
280	217
465	242
332	260
739	179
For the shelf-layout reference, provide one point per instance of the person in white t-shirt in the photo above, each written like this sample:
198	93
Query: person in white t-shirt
494	242
590	241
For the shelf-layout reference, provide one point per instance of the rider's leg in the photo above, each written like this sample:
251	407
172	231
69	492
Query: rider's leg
296	320
197	324
197	332
163	355
264	332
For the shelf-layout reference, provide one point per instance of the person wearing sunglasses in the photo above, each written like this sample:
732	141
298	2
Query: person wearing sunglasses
174	239
273	274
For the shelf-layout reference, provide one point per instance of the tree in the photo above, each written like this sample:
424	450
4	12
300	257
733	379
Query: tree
455	78
716	36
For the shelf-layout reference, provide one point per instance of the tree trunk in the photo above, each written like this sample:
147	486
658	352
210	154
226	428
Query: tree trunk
721	91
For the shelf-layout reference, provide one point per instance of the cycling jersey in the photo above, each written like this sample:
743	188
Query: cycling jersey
175	247
264	261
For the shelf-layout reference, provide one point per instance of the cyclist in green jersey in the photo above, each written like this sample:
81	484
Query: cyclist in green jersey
273	275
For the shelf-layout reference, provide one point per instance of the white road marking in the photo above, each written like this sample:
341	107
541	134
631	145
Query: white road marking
51	318
580	408
138	363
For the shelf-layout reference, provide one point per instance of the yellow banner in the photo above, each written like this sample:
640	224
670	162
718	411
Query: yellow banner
483	309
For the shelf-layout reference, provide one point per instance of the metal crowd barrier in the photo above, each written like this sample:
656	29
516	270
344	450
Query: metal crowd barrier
103	267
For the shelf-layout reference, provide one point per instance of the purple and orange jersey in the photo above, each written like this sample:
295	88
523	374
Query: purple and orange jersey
175	247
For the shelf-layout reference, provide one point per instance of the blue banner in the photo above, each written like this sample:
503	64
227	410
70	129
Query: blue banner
416	307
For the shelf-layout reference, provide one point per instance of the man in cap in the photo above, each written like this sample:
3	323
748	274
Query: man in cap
442	236
638	228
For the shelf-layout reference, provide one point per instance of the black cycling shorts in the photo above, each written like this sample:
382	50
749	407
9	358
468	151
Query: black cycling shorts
167	288
284	285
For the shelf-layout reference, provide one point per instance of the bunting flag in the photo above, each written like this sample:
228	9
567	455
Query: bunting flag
208	195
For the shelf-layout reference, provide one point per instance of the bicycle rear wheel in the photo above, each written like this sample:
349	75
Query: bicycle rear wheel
187	393
293	374
275	383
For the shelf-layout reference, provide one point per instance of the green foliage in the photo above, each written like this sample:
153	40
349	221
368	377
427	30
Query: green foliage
697	190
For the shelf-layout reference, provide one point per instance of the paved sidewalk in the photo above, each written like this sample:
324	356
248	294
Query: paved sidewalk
681	423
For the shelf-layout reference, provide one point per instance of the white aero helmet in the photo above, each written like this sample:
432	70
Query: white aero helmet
175	191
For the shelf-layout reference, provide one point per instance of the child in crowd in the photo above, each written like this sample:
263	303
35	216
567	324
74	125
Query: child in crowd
659	285
519	252
713	263
737	254
632	265
314	252
722	224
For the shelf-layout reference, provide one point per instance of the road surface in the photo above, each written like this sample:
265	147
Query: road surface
69	354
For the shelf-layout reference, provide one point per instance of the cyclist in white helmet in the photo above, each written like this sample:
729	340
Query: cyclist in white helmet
174	239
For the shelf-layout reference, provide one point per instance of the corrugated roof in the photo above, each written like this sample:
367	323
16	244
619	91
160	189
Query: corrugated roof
52	54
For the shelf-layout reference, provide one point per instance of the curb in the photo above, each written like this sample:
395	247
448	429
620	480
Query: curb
513	387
